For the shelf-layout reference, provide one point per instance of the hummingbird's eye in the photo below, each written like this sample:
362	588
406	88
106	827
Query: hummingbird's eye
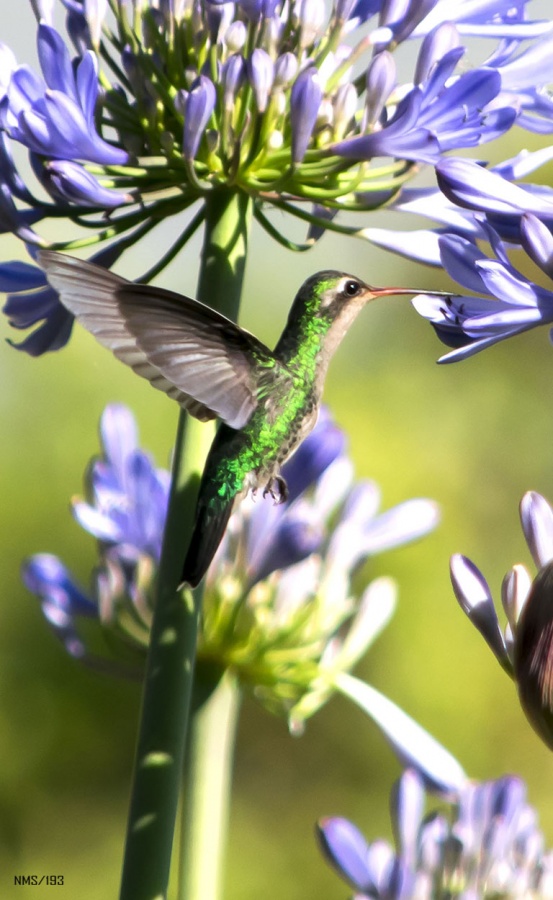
352	288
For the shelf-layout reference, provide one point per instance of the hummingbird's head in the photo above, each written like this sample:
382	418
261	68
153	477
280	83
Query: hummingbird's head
336	297
333	299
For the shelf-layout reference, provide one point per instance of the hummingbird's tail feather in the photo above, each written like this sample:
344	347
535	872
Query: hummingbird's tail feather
208	533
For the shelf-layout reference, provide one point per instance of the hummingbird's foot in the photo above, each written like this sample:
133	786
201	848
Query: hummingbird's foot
277	488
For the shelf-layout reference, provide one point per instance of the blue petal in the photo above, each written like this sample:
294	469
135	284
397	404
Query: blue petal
459	258
291	542
347	850
52	335
325	443
45	575
20	276
55	61
537	241
119	437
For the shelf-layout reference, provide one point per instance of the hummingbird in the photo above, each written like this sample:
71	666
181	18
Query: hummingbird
267	400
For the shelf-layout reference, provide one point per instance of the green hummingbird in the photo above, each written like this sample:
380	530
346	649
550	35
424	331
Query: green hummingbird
267	400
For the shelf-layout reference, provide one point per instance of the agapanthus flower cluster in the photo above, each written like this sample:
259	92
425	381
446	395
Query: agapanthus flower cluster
485	844
507	215
524	648
278	597
149	109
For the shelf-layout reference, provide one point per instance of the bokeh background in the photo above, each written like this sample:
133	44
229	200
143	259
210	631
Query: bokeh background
473	436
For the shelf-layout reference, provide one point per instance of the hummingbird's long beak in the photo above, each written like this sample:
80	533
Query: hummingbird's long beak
411	292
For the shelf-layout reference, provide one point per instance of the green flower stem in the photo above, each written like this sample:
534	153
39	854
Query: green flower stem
208	775
171	658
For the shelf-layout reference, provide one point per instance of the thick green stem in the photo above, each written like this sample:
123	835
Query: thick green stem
171	657
208	779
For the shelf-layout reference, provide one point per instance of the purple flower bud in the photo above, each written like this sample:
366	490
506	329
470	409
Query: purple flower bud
95	13
347	851
198	107
381	80
305	100
286	68
311	16
235	36
434	47
43	10
416	12
78	31
69	181
261	72
233	75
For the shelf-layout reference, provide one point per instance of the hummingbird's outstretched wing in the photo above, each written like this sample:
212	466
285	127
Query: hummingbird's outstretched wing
193	353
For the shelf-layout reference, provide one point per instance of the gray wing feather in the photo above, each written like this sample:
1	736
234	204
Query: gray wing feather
196	349
189	351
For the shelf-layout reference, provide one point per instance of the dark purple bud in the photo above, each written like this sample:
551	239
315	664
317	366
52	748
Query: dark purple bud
305	100
198	107
261	72
258	9
77	29
215	14
533	655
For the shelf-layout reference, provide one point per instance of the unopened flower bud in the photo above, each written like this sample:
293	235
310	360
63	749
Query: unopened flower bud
305	100
261	72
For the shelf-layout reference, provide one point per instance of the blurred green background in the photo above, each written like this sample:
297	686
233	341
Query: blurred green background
474	436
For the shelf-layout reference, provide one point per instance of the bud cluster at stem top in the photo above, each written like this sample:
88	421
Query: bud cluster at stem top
165	102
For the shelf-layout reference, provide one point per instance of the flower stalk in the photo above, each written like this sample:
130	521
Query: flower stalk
207	775
171	658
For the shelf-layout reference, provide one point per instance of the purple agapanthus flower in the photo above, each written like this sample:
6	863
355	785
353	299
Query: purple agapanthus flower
31	301
126	514
128	495
511	303
55	117
487	845
436	115
284	569
469	198
281	579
